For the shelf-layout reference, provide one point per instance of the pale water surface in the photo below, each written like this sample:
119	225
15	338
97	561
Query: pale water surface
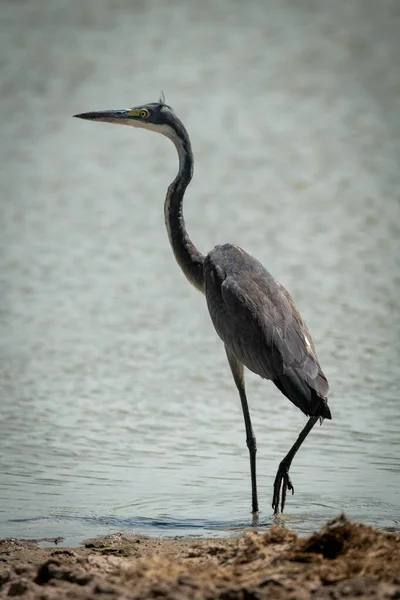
118	411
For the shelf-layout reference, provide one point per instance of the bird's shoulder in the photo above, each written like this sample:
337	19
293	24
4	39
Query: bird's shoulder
242	280
239	288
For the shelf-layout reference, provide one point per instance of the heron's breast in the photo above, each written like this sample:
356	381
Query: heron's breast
244	339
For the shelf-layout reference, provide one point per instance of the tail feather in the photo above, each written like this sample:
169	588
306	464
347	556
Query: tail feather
298	391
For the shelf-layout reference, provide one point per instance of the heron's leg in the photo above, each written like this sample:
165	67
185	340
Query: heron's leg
237	372
282	479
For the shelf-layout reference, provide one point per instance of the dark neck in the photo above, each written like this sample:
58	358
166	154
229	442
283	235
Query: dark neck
187	256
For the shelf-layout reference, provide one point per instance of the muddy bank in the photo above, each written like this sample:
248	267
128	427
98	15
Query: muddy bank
344	560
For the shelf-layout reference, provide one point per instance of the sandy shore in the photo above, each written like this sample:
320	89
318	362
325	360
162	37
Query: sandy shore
344	560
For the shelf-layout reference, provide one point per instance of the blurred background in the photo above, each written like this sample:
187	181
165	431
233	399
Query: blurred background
118	411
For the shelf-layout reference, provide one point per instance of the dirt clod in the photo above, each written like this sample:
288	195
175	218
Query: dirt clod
343	561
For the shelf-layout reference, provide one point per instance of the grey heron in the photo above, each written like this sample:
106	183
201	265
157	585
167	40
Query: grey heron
253	314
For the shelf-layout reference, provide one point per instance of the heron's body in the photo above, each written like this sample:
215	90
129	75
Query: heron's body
257	320
253	314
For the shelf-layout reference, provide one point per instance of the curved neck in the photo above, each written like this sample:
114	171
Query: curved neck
187	256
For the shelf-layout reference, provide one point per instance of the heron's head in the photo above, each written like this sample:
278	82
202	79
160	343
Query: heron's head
156	116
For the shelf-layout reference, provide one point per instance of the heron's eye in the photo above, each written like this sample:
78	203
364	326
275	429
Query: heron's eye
144	113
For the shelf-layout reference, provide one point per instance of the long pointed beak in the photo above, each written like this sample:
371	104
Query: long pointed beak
107	116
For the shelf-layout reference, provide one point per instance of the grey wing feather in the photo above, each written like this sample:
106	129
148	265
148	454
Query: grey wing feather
246	333
257	319
281	333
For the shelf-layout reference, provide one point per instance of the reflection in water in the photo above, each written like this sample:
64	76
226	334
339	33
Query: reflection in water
118	408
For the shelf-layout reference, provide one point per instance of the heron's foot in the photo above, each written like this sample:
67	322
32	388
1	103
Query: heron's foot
281	485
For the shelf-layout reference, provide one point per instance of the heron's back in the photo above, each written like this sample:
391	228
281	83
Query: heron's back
258	321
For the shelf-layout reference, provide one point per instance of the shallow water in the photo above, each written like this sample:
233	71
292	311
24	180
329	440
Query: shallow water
118	411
